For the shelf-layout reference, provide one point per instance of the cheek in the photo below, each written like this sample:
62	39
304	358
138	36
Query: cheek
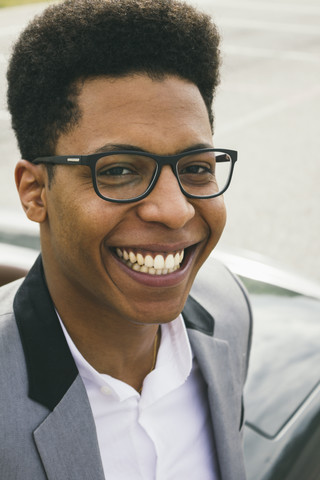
68	222
215	216
81	227
222	213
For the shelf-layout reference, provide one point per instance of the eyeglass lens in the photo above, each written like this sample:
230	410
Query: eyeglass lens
126	176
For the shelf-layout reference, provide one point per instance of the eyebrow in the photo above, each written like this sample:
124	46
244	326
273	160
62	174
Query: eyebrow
109	147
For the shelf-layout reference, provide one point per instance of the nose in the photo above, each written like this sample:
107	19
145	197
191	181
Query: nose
166	203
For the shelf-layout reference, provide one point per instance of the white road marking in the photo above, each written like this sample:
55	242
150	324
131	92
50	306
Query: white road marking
260	6
270	53
4	58
268	26
4	115
11	30
268	111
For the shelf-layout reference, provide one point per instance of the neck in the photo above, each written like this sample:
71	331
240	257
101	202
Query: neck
126	354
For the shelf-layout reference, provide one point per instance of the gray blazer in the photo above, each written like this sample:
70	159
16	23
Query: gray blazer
47	429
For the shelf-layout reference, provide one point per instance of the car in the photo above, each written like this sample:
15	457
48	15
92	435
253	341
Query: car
282	392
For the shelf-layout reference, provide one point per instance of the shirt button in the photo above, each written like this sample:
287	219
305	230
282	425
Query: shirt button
106	390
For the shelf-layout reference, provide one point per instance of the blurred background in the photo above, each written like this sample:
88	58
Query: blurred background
267	107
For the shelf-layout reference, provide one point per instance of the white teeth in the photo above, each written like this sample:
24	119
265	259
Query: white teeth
140	259
148	261
169	263
158	262
132	257
159	265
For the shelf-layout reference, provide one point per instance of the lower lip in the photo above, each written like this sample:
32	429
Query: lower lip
168	280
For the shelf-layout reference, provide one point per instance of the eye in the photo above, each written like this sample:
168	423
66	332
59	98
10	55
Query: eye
195	169
115	171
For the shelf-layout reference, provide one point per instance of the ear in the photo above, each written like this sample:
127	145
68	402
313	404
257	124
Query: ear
30	182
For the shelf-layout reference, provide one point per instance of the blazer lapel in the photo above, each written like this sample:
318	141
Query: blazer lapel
66	440
215	364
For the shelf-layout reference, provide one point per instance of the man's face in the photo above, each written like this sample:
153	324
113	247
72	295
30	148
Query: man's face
84	235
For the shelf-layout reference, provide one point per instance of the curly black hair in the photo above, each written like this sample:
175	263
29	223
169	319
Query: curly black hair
78	39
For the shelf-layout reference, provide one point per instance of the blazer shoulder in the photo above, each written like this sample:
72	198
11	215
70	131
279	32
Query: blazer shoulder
7	294
217	288
11	353
223	295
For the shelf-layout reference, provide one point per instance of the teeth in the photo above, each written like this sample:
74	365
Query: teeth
140	259
158	262
148	261
169	263
132	257
159	265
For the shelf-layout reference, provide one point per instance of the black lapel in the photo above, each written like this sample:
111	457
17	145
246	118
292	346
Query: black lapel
50	365
197	318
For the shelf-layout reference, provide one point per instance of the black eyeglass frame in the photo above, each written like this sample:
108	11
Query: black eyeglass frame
161	161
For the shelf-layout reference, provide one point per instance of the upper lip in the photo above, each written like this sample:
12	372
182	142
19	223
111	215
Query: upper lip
159	247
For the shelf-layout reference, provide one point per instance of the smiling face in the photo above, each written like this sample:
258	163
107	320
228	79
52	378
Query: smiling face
126	259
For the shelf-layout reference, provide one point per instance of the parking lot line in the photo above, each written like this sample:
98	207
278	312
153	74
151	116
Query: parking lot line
271	53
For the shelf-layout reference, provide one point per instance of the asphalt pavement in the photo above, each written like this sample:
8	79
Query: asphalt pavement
267	107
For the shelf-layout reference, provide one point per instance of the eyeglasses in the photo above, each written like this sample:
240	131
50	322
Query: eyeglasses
126	176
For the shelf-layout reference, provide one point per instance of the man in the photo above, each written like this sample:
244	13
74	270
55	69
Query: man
102	377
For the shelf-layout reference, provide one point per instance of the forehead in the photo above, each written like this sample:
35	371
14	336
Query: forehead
156	115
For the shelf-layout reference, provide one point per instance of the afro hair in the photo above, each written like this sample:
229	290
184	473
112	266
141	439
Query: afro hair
79	39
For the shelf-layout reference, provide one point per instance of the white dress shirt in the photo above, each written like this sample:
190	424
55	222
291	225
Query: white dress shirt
163	434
